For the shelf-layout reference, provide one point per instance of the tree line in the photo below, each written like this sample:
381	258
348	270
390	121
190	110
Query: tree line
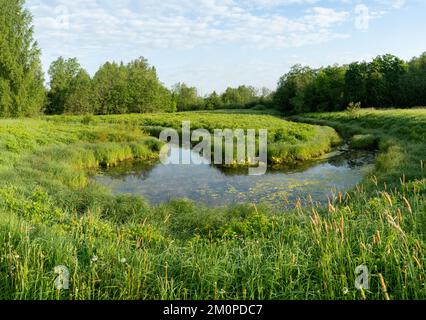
188	99
117	88
385	82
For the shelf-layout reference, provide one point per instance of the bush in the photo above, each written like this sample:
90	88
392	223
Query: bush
88	119
354	109
364	141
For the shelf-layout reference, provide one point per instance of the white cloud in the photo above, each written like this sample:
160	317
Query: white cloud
179	24
283	2
99	30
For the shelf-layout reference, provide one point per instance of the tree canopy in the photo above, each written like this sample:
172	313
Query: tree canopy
114	89
22	92
187	97
69	87
386	81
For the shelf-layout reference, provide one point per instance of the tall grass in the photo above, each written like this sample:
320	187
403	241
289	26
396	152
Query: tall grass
288	143
119	247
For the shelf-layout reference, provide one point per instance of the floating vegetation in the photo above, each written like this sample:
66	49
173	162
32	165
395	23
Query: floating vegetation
211	185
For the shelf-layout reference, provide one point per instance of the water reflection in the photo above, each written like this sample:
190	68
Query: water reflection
215	185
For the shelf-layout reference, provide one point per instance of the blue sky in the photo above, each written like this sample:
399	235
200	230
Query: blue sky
213	44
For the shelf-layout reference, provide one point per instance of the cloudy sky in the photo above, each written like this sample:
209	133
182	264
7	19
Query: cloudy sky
212	44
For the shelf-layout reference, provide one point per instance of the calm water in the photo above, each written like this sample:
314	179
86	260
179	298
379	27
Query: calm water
214	186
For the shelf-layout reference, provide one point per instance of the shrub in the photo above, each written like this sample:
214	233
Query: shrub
354	109
364	141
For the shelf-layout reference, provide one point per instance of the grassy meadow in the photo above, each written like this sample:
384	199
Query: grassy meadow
120	247
288	142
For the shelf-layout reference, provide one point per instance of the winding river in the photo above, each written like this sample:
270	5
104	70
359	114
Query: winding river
315	181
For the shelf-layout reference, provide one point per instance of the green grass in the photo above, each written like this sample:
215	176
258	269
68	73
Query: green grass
119	247
401	136
364	142
288	142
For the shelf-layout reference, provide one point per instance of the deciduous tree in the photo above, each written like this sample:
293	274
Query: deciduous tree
22	92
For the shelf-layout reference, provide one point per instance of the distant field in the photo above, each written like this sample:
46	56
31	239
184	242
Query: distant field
288	142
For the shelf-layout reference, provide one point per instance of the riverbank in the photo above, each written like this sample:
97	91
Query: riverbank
118	247
288	142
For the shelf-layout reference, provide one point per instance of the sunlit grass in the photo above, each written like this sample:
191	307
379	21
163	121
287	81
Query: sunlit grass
51	214
288	142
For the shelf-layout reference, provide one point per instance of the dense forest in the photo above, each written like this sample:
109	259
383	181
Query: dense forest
118	88
385	82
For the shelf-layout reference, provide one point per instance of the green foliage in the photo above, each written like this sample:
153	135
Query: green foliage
6	99
79	99
385	82
243	97
111	95
115	89
364	142
239	97
292	89
414	82
70	88
187	98
146	93
214	102
356	88
21	80
328	89
354	109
